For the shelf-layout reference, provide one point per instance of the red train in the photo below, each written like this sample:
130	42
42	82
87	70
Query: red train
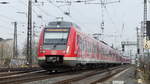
62	44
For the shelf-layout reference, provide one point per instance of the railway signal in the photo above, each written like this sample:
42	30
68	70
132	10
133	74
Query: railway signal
127	43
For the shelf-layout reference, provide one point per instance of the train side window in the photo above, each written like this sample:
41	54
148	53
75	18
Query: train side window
110	53
83	44
107	54
102	50
98	49
94	48
86	46
90	48
78	38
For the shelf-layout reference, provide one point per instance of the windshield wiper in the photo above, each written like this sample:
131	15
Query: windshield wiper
62	39
55	45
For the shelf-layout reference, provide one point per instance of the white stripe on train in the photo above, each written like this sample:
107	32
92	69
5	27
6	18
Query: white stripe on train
82	60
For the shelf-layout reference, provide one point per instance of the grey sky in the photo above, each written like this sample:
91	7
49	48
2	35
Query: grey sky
127	12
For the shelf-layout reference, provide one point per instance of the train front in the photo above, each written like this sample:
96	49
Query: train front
52	46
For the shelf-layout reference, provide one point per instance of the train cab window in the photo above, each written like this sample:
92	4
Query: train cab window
55	38
55	35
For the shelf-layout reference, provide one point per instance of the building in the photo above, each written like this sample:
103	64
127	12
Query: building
6	50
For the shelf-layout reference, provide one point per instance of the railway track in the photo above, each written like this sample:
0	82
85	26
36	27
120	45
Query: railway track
29	77
15	71
82	77
20	69
87	78
66	77
11	73
21	76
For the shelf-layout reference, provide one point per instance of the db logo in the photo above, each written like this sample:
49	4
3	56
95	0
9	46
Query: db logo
53	52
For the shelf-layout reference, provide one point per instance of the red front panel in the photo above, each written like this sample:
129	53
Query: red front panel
71	46
51	49
40	44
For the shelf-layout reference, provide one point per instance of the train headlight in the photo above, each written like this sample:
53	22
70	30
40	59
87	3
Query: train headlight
40	47
68	48
42	51
75	52
64	51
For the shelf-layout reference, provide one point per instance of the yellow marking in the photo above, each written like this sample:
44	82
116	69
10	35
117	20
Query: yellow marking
56	29
146	43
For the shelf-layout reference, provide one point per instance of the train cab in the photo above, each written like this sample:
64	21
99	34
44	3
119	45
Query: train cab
55	44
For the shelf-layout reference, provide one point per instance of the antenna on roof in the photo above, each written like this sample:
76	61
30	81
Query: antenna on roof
59	19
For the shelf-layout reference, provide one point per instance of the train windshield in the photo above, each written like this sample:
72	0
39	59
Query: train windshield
55	38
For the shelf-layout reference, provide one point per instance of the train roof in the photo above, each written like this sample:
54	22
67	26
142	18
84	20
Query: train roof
103	42
60	24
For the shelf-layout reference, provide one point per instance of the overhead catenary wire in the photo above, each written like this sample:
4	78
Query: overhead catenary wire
63	12
34	11
55	5
120	35
110	18
122	27
51	2
46	13
38	15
